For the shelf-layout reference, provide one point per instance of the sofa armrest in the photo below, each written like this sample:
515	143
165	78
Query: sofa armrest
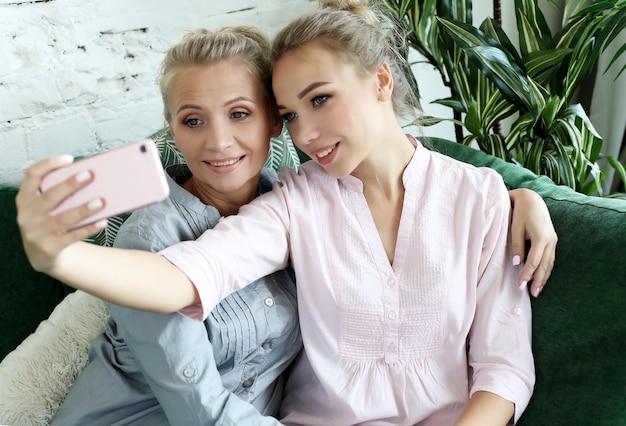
35	377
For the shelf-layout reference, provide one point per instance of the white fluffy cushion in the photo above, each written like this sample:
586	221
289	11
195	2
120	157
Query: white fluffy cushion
36	376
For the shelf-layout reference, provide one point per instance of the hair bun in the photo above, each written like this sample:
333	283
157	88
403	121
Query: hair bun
361	8
348	5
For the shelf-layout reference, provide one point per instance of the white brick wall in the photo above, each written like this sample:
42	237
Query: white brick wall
77	76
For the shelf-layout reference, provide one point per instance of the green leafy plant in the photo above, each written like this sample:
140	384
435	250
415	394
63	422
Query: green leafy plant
490	80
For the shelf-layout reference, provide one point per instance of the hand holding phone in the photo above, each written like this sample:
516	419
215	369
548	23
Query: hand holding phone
126	178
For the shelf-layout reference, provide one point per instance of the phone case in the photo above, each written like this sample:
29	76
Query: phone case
126	178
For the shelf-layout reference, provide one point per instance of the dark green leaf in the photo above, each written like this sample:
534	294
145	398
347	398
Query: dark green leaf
472	121
510	80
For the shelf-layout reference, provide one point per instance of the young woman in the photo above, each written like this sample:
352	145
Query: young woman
406	290
166	368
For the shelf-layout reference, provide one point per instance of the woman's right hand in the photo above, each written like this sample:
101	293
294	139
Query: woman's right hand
44	236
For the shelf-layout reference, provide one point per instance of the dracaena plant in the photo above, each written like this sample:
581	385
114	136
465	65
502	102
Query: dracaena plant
489	80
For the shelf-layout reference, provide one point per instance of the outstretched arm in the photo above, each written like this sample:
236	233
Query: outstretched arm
130	278
531	221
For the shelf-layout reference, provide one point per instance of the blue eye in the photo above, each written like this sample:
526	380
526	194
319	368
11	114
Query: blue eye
289	116
192	122
319	100
238	115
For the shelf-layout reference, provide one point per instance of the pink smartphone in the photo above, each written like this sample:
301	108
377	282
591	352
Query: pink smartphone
126	178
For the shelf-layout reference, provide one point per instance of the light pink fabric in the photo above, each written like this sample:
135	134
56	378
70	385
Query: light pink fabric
385	344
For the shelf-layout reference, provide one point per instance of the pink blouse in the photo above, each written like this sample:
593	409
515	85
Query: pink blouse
386	344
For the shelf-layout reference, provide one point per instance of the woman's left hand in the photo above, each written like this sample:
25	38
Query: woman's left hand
531	221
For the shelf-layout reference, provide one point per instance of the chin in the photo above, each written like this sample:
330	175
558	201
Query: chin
336	172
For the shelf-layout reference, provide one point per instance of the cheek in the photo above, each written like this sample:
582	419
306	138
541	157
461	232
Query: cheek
258	137
259	150
187	142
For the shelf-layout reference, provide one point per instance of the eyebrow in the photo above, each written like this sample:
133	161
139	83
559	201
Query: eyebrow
306	90
186	106
310	87
230	101
238	99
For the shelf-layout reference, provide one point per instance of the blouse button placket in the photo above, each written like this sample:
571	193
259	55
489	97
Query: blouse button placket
392	326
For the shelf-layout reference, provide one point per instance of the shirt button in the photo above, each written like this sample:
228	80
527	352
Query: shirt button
391	282
248	383
266	345
269	301
189	372
391	315
517	311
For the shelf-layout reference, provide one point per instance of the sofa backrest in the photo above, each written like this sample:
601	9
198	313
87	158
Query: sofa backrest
28	296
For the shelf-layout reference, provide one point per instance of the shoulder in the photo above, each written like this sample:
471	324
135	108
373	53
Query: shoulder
266	179
308	174
463	175
145	228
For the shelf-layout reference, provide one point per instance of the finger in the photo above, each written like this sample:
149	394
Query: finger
533	260
544	271
518	243
53	196
518	226
40	209
86	231
33	214
35	228
31	182
69	218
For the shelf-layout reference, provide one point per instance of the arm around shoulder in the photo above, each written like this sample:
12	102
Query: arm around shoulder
486	409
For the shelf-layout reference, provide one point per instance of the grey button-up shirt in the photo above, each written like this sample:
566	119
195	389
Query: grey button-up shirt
168	369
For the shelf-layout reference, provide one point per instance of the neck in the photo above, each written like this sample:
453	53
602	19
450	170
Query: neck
381	171
228	202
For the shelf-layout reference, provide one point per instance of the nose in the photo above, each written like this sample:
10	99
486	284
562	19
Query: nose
304	131
219	136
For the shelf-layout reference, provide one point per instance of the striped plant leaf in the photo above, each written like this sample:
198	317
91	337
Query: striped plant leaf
282	152
492	29
542	66
533	30
106	236
166	146
497	66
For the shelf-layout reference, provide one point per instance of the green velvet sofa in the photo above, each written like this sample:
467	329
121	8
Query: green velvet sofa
579	326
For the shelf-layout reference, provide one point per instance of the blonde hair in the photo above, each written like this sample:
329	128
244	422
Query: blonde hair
361	34
204	47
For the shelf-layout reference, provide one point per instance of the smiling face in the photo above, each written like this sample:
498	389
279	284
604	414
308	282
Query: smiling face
222	124
334	112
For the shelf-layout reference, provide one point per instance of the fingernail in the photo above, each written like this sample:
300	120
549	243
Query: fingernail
83	176
95	204
516	260
66	158
101	224
523	285
538	291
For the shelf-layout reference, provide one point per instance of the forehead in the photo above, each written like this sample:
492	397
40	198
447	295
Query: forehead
311	55
216	73
309	63
219	79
